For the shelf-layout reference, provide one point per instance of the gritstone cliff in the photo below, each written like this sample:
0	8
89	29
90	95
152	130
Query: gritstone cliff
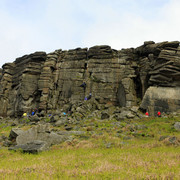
147	76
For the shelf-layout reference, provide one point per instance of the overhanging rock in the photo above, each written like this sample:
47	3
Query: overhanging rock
50	82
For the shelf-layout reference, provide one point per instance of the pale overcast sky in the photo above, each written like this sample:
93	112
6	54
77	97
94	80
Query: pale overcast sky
46	25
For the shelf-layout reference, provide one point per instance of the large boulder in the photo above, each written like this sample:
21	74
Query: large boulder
40	132
105	115
14	133
164	99
61	122
33	147
177	126
34	118
35	139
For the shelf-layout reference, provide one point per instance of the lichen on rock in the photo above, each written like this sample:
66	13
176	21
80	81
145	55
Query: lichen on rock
123	78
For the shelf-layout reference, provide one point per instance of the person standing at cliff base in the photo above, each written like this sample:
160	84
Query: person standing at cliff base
147	114
33	113
159	114
25	114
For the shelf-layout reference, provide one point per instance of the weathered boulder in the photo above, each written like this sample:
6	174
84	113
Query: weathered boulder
105	115
14	133
3	138
53	119
34	118
61	122
170	140
177	126
33	147
71	132
35	139
164	99
40	132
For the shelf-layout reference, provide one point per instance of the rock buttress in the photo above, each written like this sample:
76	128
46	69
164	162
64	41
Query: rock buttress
19	84
49	82
100	67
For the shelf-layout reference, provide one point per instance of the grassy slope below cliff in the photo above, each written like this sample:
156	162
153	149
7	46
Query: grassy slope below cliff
108	150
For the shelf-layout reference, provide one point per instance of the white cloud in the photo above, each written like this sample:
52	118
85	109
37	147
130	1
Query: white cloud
130	29
52	24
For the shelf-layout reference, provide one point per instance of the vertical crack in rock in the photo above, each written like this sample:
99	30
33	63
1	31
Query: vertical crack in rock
122	77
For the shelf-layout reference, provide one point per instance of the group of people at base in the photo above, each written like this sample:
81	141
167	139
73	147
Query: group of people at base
34	111
83	85
158	114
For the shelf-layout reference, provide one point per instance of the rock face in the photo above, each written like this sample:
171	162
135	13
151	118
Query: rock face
19	84
123	78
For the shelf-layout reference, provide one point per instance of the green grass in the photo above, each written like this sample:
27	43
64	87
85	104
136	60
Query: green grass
104	152
4	129
129	162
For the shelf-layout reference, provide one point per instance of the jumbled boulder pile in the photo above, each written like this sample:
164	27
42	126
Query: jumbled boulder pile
38	138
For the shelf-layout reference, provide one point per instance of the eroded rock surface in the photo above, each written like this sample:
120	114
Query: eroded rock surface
177	126
36	139
163	99
33	147
50	82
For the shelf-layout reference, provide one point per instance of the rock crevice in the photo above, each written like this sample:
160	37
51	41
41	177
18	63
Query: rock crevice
120	77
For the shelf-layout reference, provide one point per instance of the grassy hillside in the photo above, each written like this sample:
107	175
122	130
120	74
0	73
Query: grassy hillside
131	149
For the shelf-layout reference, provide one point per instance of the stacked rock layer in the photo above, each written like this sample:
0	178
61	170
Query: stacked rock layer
119	77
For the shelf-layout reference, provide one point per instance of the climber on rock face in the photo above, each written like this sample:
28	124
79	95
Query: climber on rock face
89	97
83	85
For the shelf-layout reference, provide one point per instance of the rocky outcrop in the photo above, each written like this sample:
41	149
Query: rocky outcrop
51	82
36	139
166	68
19	84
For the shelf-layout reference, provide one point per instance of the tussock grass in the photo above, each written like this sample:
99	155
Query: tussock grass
128	162
103	155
